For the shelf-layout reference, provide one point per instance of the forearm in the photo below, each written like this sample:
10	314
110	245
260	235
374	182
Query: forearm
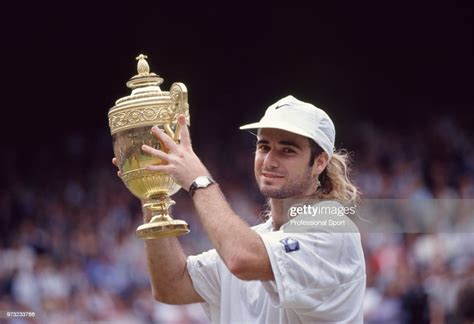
236	243
242	250
166	263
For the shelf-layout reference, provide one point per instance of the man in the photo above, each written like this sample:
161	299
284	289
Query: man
264	274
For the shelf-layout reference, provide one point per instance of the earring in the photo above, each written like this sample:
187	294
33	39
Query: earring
318	184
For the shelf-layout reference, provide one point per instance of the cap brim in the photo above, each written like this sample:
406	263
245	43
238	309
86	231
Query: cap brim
250	126
277	125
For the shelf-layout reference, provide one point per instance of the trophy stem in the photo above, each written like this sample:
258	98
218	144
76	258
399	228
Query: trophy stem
160	208
161	223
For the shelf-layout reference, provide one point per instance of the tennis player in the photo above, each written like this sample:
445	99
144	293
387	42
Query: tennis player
264	274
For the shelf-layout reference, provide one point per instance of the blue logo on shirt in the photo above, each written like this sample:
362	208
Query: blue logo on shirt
290	244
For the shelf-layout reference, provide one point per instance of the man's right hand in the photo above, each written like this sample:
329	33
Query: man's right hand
114	162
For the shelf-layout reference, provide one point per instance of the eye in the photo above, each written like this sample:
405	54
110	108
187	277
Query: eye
288	150
263	148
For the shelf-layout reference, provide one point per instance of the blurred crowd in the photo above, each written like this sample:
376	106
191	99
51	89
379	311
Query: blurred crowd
416	277
67	226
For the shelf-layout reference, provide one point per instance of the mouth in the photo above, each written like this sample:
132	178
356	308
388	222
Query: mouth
272	175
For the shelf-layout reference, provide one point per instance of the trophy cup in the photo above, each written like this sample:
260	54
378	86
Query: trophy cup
130	121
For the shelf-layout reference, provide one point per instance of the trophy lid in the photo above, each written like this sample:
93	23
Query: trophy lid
144	77
148	105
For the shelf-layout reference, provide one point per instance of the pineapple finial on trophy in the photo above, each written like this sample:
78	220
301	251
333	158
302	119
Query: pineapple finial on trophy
144	77
142	67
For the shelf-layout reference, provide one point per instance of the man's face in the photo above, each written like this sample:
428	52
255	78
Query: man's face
282	164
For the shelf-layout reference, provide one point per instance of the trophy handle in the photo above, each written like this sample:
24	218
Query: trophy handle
170	132
179	101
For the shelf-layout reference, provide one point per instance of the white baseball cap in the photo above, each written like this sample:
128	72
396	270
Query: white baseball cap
302	118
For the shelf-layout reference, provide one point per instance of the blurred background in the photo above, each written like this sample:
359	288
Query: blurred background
397	81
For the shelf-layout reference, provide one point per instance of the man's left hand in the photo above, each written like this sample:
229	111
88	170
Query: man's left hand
183	165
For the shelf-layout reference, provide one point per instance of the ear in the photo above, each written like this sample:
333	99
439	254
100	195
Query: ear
320	163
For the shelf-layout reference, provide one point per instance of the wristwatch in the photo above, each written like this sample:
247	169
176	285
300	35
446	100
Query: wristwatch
200	182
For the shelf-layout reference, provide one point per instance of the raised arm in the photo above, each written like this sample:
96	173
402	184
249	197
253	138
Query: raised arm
169	278
241	249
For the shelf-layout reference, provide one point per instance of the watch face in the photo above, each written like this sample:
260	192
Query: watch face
202	181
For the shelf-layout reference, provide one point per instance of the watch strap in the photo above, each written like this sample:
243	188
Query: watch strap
195	186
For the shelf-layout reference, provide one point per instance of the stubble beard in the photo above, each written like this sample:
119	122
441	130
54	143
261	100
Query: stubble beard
296	187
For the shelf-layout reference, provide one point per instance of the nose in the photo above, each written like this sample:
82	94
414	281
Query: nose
271	161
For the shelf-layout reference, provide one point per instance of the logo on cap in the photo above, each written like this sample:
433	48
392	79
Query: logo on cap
278	107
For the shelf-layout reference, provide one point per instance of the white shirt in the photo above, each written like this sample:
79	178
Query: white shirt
320	279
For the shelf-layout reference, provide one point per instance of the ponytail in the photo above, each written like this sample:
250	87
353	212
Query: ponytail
335	182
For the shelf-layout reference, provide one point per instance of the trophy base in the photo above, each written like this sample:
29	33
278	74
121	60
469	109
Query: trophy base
164	228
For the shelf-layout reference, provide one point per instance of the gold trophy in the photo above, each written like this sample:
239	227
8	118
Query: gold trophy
130	121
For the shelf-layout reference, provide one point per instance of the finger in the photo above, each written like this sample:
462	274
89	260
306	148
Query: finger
168	141
185	137
159	168
158	153
115	162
